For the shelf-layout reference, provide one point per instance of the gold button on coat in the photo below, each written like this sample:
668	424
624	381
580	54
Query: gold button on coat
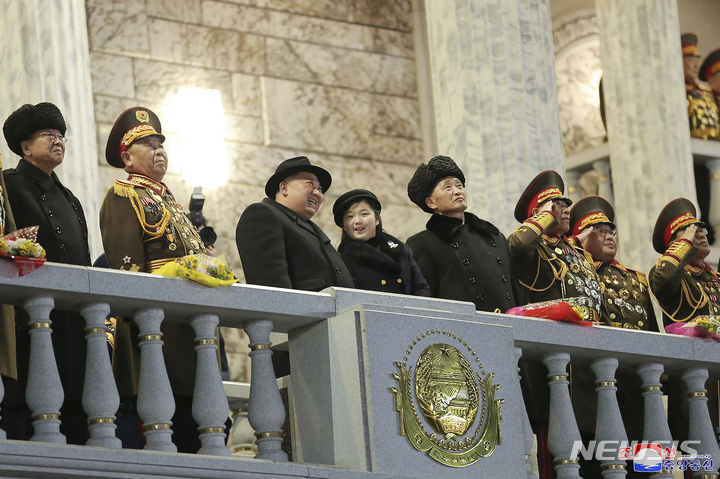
399	280
383	282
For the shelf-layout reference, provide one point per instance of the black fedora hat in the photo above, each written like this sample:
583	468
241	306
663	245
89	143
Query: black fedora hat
677	214
346	200
132	124
591	211
547	185
292	166
426	177
26	120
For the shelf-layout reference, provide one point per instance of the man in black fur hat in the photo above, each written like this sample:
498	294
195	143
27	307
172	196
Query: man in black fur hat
36	133
461	256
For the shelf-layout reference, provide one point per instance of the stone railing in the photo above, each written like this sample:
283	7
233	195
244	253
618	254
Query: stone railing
345	349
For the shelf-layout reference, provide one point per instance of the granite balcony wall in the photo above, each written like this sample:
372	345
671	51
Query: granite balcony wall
331	79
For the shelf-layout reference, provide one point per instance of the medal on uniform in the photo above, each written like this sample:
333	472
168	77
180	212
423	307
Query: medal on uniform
558	251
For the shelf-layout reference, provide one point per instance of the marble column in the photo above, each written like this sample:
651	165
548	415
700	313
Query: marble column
494	97
646	113
45	57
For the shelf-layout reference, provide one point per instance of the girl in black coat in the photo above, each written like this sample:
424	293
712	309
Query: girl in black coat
376	260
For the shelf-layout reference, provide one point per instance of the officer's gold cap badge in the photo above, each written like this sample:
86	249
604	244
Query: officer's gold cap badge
142	116
460	420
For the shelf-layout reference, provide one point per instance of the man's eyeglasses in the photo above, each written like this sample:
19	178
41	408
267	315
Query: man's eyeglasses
604	233
699	230
53	136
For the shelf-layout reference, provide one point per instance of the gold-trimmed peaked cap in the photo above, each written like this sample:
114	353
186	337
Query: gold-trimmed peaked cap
689	43
426	177
710	65
132	124
296	165
548	185
590	211
28	119
677	214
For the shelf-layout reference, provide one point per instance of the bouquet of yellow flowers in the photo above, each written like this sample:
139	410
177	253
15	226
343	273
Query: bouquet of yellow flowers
203	269
698	327
22	247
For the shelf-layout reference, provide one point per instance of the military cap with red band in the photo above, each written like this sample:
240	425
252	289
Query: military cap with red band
710	66
590	211
133	124
677	214
548	185
689	45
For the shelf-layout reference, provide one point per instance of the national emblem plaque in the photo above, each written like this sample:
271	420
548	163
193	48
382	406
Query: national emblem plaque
459	419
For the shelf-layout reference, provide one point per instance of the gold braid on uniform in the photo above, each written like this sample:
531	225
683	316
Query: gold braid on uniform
556	275
153	231
694	303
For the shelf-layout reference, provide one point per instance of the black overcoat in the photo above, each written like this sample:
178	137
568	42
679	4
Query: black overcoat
387	265
467	261
279	248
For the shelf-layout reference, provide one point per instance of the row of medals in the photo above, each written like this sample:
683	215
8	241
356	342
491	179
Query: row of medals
181	220
587	287
619	298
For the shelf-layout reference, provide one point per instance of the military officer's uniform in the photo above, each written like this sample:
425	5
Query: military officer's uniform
551	267
143	228
626	291
702	109
709	67
683	290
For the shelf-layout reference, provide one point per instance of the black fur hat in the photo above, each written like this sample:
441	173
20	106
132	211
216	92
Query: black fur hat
427	176
28	119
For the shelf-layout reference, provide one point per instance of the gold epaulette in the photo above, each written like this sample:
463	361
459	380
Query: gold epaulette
641	277
124	189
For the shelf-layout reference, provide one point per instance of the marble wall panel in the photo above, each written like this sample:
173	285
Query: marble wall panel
333	120
226	50
393	42
118	27
168	40
396	116
282	24
187	11
159	81
243	128
340	67
335	9
246	94
394	14
112	75
254	164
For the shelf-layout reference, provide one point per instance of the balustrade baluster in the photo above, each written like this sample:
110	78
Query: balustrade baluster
700	426
100	395
563	431
44	394
210	406
655	427
156	404
609	423
243	435
267	413
527	428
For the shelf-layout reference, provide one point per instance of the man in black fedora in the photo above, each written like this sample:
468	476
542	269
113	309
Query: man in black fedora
36	133
278	243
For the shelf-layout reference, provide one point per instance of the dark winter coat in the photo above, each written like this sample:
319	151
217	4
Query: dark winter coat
383	264
467	261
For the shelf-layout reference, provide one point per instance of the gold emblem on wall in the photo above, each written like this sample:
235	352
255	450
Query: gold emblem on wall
460	417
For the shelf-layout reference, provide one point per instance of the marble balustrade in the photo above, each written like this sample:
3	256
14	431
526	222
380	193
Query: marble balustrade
259	310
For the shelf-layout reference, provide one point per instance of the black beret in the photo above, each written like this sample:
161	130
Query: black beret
346	200
26	120
427	176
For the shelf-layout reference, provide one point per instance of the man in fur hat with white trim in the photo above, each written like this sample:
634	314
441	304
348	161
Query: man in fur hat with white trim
461	256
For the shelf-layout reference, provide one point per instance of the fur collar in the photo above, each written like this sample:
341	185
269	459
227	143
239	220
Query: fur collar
387	255
446	227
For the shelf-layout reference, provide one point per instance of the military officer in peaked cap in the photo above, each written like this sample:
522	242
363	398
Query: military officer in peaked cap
625	291
36	133
710	72
143	228
278	243
461	256
549	266
683	283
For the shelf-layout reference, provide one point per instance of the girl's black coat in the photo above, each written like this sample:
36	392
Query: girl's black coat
389	267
